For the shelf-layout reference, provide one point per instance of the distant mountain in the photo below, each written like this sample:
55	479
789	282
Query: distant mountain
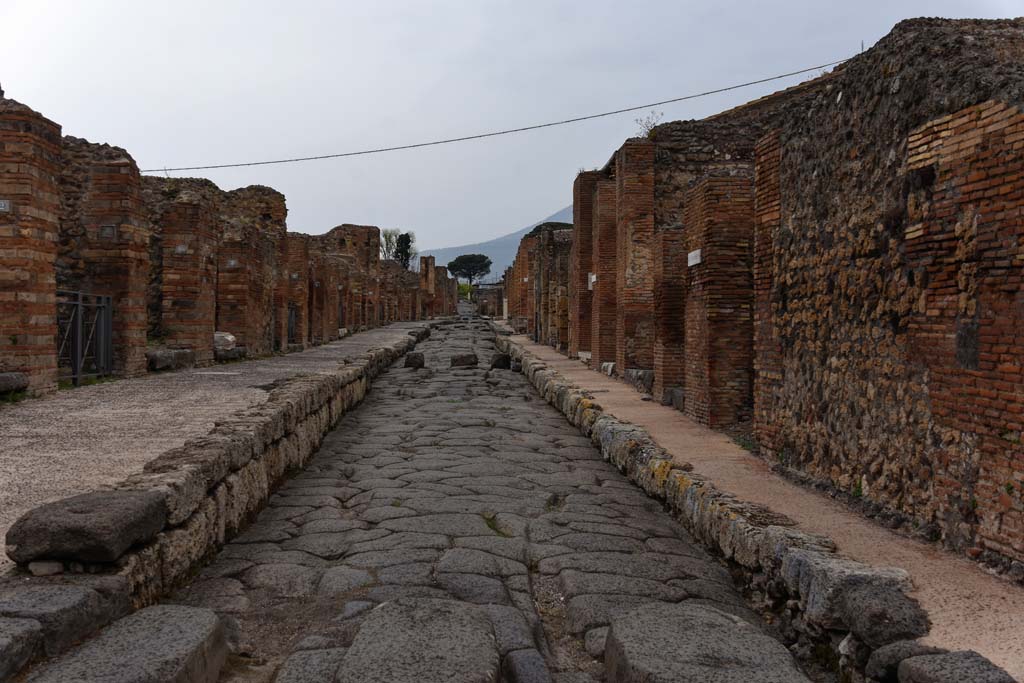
502	250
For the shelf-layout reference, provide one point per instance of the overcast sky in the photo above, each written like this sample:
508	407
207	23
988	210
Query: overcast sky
189	82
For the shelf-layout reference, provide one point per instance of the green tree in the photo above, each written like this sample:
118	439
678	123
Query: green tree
405	249
470	267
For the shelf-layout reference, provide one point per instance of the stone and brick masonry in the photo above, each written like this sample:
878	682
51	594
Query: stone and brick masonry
180	259
838	263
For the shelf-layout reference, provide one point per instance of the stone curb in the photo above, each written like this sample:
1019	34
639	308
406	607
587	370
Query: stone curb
819	597
211	488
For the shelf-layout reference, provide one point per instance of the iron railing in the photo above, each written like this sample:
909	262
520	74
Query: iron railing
85	335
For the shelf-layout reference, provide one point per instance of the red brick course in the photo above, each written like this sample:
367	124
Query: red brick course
29	168
634	206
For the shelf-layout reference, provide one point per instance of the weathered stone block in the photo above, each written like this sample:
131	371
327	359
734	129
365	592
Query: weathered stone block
91	527
161	644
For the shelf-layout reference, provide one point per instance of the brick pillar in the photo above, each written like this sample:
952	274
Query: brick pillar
634	322
29	158
669	310
580	261
719	217
767	349
603	309
189	287
104	246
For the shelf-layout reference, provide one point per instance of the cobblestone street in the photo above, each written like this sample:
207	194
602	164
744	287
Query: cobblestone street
459	484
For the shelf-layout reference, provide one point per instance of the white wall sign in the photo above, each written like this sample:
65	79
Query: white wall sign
693	258
5	205
591	279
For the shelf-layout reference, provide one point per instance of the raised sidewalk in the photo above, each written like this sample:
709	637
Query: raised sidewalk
969	608
91	437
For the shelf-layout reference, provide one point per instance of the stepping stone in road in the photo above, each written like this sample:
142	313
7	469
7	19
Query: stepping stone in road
423	640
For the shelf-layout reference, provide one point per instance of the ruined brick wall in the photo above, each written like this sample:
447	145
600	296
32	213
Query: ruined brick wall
686	153
253	225
554	264
428	285
718	347
104	241
634	322
293	291
489	300
181	297
670	249
580	260
604	295
443	291
887	274
521	292
29	168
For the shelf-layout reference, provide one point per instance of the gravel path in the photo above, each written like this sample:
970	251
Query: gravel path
457	484
82	439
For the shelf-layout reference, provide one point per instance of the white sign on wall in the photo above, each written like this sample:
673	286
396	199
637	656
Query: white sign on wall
591	279
693	258
5	205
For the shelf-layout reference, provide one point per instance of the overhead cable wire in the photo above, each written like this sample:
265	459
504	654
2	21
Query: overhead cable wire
507	131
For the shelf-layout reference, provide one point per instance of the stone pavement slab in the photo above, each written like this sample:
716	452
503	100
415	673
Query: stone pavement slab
160	644
82	439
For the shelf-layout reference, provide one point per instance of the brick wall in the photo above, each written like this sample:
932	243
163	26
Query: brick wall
253	223
887	283
580	263
104	241
669	310
186	215
428	285
964	242
29	170
719	297
604	295
634	321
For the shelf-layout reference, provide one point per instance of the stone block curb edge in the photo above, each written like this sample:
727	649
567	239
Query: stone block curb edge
818	597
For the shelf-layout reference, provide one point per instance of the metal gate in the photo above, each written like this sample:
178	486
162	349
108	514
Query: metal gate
85	335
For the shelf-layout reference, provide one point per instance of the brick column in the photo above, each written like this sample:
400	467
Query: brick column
189	287
580	262
29	158
719	218
104	247
669	311
603	309
634	322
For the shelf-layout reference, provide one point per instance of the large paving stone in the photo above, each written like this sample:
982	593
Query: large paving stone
311	666
66	613
19	639
161	644
92	527
414	640
952	667
286	580
663	643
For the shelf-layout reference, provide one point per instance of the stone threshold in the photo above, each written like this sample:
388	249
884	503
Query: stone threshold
88	560
856	619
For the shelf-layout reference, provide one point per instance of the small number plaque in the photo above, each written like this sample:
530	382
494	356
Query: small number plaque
5	205
693	258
